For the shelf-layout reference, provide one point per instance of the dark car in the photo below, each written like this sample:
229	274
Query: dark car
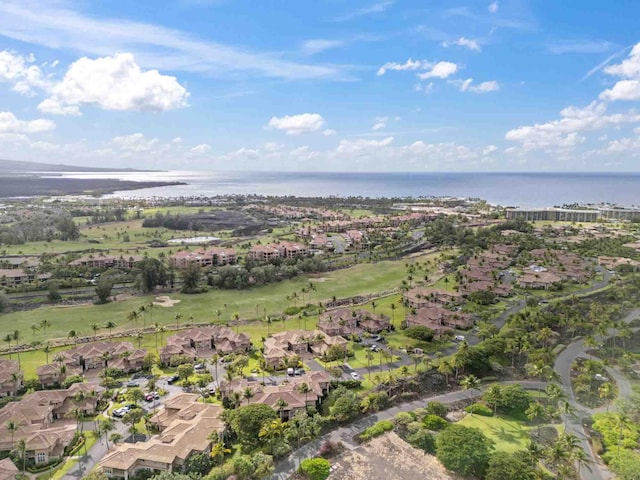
173	379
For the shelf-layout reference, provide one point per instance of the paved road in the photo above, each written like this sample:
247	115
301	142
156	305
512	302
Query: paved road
346	433
562	367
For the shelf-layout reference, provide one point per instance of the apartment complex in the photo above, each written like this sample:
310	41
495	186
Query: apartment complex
205	257
202	342
571	215
44	420
266	253
10	377
281	346
346	322
186	427
101	260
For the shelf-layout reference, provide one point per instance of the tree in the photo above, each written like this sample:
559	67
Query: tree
469	382
149	273
606	393
95	327
110	325
493	396
106	426
247	421
185	371
115	438
34	329
191	278
177	318
346	406
198	464
132	417
509	466
103	289
53	294
22	448
463	450
12	427
135	395
315	468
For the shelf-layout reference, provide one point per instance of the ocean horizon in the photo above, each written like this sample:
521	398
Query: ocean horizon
527	190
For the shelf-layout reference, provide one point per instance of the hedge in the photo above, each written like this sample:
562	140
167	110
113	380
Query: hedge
315	468
479	409
375	430
44	467
434	422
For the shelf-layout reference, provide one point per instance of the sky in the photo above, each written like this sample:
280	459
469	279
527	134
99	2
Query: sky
322	85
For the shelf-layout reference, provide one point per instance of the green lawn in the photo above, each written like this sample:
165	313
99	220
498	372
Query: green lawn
507	434
360	279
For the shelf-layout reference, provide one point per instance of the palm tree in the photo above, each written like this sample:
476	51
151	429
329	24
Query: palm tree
8	338
143	311
304	389
105	427
248	395
535	412
22	448
47	350
281	404
95	327
133	317
605	392
568	410
369	359
115	438
139	336
12	427
393	313
236	317
622	421
177	318
469	382
150	308
155	331
535	452
44	323
16	338
34	329
110	325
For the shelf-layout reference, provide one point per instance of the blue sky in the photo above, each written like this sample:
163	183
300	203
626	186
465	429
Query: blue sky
334	85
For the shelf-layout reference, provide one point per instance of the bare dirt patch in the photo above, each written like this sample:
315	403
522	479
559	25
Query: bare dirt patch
391	458
165	302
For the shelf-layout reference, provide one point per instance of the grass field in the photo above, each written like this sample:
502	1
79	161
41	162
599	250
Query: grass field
507	434
251	303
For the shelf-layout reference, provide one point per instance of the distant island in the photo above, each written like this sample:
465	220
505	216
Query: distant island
27	179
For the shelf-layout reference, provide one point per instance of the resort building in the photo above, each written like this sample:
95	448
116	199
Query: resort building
10	377
205	257
203	342
186	427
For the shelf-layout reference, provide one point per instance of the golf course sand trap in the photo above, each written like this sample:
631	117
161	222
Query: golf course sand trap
391	458
165	302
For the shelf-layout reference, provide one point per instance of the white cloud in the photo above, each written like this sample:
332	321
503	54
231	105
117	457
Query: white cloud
579	46
425	87
304	153
493	6
488	150
328	132
51	24
136	142
468	86
20	71
313	46
298	124
629	70
272	146
114	83
361	145
10	124
439	70
464	42
201	149
378	7
177	140
563	133
408	65
379	126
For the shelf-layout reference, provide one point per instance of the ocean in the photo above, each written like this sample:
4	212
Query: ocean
525	190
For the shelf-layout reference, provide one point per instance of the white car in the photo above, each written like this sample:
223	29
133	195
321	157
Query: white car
355	375
459	338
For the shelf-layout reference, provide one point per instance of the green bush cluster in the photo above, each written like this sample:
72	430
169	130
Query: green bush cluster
479	409
434	422
376	430
315	468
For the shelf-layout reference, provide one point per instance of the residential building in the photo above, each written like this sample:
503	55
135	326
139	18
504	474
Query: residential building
186	427
346	322
264	253
436	317
202	342
101	260
281	346
10	377
538	280
12	277
45	422
205	257
419	297
8	470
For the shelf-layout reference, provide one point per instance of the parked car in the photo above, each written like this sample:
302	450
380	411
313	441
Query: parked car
173	379
131	384
299	371
148	397
459	338
355	375
156	395
373	348
290	372
600	377
199	366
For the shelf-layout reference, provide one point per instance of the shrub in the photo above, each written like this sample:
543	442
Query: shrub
435	423
423	440
315	468
437	408
376	430
71	380
292	310
479	409
420	332
330	449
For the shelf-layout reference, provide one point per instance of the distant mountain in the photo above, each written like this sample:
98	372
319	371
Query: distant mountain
17	167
